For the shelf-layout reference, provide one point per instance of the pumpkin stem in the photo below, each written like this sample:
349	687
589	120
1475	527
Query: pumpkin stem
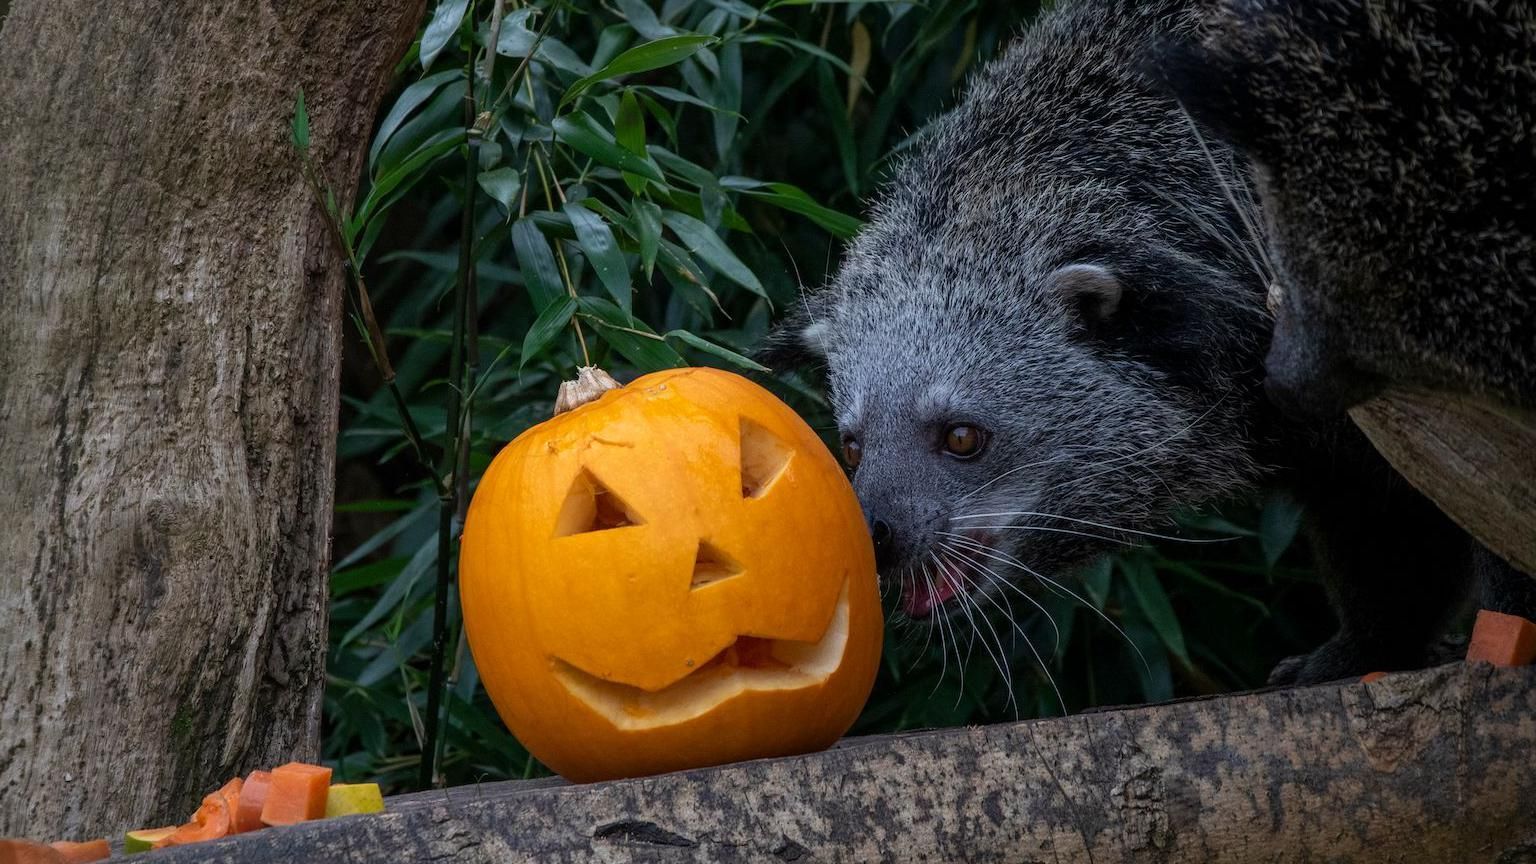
590	384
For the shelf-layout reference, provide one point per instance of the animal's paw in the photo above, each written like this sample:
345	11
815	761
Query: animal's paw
1286	671
1447	649
1350	657
1335	659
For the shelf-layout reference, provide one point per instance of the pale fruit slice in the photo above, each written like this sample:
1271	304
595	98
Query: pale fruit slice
144	839
345	799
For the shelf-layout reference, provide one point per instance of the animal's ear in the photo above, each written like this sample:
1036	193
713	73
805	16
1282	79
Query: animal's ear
1220	78
802	337
1090	289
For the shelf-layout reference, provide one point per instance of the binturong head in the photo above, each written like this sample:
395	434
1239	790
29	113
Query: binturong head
1049	337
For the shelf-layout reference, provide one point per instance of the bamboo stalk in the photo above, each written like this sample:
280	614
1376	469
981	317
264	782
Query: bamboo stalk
448	499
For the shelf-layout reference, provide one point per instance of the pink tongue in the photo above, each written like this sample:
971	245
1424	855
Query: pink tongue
920	601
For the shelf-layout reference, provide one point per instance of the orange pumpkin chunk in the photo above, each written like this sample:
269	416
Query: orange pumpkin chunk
297	793
14	851
1503	640
90	850
213	820
252	796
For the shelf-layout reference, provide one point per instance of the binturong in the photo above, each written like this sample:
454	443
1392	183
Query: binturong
1394	145
1049	339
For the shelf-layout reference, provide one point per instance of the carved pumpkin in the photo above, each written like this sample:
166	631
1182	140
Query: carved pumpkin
676	574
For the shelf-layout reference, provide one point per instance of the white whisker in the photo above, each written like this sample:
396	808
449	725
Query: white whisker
943	649
992	578
998	580
967	602
1139	533
1005	558
1047	530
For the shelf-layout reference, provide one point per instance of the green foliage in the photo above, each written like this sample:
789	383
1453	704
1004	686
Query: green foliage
643	184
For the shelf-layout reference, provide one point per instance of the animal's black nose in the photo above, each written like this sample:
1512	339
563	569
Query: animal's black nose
881	531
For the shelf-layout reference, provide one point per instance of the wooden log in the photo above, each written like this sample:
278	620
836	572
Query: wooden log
1432	766
1474	459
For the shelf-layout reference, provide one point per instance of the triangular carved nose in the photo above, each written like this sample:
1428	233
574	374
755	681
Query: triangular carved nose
710	565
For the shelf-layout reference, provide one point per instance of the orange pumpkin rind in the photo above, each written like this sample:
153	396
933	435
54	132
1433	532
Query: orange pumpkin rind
673	574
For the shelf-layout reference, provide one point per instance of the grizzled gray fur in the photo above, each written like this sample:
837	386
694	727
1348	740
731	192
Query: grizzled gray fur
1065	268
953	306
1395	142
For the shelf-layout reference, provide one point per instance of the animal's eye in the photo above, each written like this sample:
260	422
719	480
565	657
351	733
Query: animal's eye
852	452
964	442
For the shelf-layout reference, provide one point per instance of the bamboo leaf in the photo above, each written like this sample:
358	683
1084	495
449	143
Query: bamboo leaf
1278	524
402	587
647	219
408	101
723	353
629	336
629	131
300	123
406	174
641	58
516	39
602	250
581	133
639	15
537	263
397	652
702	241
1096	580
445	22
548	325
502	184
1149	594
794	199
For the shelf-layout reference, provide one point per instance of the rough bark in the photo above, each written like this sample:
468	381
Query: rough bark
1417	767
1476	460
168	392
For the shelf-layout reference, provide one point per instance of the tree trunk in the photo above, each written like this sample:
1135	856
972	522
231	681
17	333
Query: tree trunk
1472	458
168	392
1425	767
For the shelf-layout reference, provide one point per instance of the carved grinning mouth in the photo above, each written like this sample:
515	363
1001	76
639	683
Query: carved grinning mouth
749	664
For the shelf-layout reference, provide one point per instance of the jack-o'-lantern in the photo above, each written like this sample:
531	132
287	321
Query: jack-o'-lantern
674	574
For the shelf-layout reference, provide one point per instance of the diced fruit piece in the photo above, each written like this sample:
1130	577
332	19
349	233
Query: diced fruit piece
26	852
297	793
252	795
145	839
345	799
77	853
1503	640
212	820
1373	676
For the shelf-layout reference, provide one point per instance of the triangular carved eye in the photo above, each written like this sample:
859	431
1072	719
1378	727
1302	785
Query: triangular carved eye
592	506
763	459
711	565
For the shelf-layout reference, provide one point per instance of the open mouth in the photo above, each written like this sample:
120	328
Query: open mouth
950	573
750	663
921	594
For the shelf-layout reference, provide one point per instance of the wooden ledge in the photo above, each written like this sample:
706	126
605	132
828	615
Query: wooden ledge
1433	766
